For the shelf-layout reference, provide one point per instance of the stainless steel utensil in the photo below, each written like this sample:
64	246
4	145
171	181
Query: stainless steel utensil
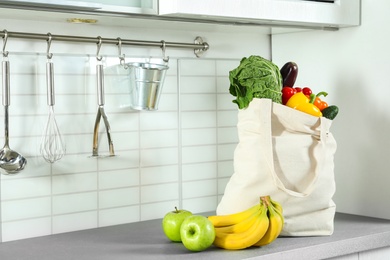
10	161
101	113
52	146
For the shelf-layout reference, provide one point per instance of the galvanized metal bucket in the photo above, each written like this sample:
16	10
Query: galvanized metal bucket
146	84
140	83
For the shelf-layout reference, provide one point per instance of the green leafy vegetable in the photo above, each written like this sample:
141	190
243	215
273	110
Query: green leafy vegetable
255	77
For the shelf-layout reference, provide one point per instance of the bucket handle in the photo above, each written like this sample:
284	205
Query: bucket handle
122	56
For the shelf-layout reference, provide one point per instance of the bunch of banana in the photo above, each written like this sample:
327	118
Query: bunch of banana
256	226
276	222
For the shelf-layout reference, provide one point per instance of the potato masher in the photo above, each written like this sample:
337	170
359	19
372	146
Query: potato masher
100	112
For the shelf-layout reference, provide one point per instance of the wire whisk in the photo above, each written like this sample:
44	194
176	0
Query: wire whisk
52	146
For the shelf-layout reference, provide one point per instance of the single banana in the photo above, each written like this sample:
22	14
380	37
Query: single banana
276	205
278	208
275	227
247	238
241	226
232	219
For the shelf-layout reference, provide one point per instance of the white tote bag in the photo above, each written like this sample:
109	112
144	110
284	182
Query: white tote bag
288	155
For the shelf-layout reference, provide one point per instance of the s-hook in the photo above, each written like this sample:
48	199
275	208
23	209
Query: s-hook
163	47
120	55
5	38
99	45
48	54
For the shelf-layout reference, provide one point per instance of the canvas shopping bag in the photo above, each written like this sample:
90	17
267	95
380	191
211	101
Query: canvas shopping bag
288	155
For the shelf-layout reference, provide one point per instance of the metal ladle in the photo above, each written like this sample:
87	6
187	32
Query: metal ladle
10	161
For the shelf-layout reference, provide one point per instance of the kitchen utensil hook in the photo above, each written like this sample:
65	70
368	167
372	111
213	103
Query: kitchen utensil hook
121	56
163	47
48	54
99	45
5	38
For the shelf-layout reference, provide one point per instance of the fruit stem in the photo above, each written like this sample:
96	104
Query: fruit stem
265	200
177	211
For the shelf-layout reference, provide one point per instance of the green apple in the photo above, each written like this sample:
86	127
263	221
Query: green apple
197	233
172	221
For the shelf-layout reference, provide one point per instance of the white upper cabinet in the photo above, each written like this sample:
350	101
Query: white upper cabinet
311	14
283	13
86	6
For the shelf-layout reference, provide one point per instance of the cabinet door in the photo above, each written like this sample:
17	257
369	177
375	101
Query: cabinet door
126	6
273	12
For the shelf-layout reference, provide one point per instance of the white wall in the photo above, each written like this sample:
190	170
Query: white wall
353	66
180	155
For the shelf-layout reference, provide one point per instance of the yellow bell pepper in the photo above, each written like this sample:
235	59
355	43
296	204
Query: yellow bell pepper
302	103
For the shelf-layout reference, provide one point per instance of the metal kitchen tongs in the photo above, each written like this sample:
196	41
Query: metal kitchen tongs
100	101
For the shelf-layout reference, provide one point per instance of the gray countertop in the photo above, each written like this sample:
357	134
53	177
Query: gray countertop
145	240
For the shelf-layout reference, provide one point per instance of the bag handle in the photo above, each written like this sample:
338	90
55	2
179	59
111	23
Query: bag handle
266	107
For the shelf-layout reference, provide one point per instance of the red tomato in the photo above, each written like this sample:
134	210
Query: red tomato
298	89
307	91
287	92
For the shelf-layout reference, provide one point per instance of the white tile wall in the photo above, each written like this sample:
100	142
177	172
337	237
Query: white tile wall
178	156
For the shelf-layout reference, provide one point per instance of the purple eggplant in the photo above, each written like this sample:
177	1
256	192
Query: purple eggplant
289	73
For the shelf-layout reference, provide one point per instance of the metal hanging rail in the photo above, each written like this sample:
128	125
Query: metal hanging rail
199	46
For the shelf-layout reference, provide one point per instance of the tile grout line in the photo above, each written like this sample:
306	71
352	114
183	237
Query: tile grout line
139	168
216	132
51	201
179	136
97	193
88	74
1	211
